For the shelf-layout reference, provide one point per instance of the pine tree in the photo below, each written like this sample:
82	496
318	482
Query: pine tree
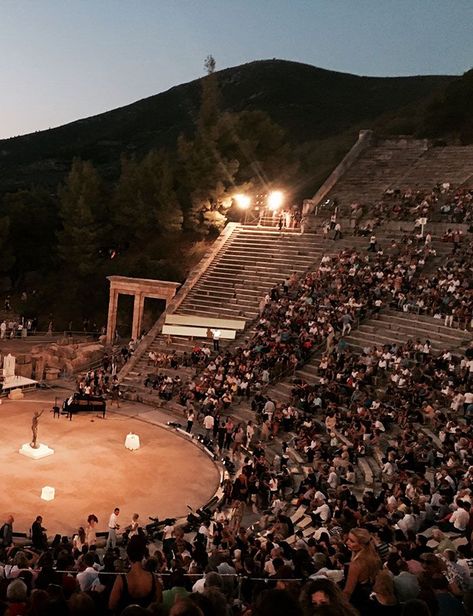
145	202
6	256
33	228
205	172
79	239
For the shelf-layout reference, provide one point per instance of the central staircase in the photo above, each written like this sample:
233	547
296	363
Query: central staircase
242	270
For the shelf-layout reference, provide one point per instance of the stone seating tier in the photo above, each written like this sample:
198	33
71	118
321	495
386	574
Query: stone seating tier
395	326
246	266
401	164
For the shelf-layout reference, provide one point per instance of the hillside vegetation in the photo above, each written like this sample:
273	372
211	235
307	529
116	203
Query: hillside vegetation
308	103
140	190
450	115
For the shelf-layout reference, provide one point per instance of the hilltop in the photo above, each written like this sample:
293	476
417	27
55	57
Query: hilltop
315	107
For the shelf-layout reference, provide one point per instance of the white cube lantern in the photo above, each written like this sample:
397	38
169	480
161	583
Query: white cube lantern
132	441
47	493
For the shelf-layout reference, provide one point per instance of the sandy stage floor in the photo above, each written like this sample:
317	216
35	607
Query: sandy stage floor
92	471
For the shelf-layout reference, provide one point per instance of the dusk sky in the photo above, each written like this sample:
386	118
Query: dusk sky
62	60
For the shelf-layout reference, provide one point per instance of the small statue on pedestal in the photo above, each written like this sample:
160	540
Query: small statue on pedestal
34	429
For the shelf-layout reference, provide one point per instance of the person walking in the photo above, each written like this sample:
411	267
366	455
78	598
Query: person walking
347	321
113	526
116	392
208	424
190	421
373	246
363	568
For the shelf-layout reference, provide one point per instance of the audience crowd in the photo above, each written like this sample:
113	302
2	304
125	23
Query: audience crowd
352	497
442	203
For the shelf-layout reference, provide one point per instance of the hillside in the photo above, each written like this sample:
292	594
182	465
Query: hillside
451	113
310	103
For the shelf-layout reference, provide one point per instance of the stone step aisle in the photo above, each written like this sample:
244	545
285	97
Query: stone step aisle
245	268
392	326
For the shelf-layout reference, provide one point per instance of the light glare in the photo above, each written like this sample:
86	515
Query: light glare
275	199
242	201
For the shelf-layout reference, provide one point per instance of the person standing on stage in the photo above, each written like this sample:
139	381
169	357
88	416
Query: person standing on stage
6	533
113	526
38	534
90	534
115	392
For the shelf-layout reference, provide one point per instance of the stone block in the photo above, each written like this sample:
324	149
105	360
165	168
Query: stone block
68	367
48	493
77	362
69	352
132	441
38	368
51	361
16	394
42	451
25	370
51	374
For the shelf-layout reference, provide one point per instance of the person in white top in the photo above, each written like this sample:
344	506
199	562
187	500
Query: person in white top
250	431
216	335
168	539
322	512
208	424
79	540
134	525
460	517
332	479
88	575
113	526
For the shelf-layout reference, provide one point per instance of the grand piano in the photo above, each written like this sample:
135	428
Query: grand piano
82	402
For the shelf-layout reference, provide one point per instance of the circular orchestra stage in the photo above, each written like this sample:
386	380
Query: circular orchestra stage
92	471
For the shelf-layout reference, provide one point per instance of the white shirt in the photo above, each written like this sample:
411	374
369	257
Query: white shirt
113	521
460	519
208	422
87	578
332	480
323	511
408	522
199	586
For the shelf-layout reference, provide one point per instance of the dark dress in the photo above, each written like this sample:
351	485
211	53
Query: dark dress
128	599
360	596
375	608
38	538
